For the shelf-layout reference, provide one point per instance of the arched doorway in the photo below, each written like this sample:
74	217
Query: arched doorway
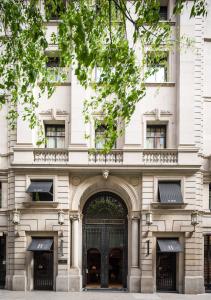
105	241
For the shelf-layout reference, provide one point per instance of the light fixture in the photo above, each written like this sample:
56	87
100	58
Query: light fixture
16	217
61	217
194	219
149	218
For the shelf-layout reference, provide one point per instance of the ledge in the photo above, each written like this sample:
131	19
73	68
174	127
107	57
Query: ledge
168	205
160	84
40	204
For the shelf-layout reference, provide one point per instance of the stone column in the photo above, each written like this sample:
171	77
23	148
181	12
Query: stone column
75	280
75	240
135	275
135	240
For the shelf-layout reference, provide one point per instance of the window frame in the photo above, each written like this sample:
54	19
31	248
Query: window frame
95	141
152	78
158	179
55	137
154	138
30	178
56	16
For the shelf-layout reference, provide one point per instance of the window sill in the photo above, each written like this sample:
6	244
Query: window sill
160	84
40	204
168	205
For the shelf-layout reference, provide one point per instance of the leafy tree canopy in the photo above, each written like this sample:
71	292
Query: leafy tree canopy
102	34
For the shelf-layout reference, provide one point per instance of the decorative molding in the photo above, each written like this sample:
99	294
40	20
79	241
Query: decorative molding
76	180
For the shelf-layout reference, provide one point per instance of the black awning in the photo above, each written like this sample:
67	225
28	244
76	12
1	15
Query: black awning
40	187
170	192
167	245
40	245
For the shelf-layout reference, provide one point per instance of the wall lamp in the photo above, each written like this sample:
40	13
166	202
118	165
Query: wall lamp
61	217
16	217
194	219
149	218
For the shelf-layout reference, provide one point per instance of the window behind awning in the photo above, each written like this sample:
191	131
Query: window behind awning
170	192
169	245
40	187
40	245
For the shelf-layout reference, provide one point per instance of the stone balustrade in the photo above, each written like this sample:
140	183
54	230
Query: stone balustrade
160	157
50	156
114	157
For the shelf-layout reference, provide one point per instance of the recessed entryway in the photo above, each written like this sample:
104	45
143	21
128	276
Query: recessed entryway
105	242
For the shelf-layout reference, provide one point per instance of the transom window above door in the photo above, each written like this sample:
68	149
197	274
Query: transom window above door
55	136
156	137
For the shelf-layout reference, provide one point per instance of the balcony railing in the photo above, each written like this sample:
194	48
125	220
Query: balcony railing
160	157
50	156
113	157
134	157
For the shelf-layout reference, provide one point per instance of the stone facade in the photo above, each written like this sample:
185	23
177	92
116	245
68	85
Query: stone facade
183	105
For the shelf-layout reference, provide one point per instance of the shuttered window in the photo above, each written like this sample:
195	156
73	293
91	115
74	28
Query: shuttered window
169	192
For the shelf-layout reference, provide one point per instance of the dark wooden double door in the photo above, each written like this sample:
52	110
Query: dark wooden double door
43	270
2	261
105	255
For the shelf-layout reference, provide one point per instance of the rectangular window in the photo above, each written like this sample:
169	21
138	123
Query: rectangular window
169	192
53	62
55	136
100	137
41	190
163	13
0	194
157	66
156	137
54	9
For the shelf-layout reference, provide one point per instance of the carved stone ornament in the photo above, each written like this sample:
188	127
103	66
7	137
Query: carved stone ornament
76	180
134	181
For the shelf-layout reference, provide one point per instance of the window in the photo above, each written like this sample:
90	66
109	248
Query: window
157	66
54	9
100	137
41	190
53	62
170	192
0	194
156	137
163	13
55	136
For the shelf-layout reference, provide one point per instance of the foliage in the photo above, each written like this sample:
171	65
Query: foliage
92	34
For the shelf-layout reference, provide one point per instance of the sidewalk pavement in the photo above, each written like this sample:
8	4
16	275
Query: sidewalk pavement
46	295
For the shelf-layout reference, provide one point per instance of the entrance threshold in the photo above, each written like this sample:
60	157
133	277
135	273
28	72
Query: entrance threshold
105	290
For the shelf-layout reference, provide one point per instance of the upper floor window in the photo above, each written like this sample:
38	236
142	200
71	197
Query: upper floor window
169	192
156	137
55	136
163	12
100	137
41	190
53	62
0	194
54	9
157	65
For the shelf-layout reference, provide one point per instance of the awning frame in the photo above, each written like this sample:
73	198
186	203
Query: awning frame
169	245
40	244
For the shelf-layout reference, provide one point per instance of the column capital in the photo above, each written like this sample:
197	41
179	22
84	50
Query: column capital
74	215
135	215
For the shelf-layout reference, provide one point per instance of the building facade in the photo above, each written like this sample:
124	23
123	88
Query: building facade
136	219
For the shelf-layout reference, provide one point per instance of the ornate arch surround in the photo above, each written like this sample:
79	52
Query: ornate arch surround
113	184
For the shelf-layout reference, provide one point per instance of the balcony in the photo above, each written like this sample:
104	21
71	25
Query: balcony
50	156
160	157
133	158
114	157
